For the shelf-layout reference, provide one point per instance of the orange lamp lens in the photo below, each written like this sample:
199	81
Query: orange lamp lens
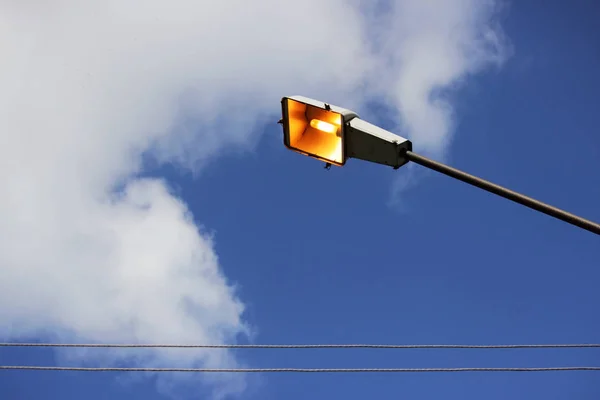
313	131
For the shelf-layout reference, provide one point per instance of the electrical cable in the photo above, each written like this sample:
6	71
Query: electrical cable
297	370
308	346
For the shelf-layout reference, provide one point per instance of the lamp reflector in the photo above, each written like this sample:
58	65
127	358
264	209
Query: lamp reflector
313	131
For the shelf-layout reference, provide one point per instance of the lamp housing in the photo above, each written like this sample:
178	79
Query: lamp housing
333	134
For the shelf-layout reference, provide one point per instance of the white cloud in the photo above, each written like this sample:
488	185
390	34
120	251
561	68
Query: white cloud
87	87
428	47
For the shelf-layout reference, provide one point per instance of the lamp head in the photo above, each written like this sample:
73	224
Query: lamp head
315	129
334	134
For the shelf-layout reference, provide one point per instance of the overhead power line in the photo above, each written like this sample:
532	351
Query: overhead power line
297	370
309	346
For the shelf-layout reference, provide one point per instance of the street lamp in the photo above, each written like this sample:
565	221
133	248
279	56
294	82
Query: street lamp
333	134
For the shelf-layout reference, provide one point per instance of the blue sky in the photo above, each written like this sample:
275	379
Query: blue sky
321	257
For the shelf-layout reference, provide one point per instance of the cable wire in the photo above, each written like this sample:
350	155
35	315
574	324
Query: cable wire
309	346
297	370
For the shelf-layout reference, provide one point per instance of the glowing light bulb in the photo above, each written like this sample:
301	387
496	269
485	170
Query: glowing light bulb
323	126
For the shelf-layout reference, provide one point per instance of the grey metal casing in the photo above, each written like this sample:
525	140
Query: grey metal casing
369	142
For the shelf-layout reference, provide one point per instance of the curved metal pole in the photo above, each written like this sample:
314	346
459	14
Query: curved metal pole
504	192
